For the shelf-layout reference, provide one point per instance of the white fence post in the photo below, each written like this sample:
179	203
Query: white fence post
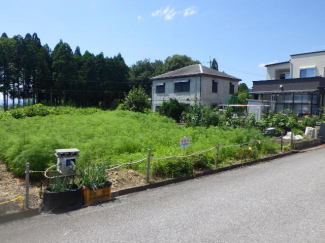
148	165
27	186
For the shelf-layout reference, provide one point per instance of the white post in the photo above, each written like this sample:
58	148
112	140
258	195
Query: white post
27	186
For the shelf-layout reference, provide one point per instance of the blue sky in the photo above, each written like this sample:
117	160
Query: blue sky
240	34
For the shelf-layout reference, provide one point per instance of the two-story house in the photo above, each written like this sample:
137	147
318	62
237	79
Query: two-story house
297	85
195	82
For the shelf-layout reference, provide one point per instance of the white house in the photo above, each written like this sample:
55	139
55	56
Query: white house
304	65
297	85
207	85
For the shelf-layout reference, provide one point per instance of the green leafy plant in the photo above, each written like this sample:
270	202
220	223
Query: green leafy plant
136	100
172	109
92	176
60	184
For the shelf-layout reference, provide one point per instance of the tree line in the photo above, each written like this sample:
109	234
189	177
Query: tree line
33	73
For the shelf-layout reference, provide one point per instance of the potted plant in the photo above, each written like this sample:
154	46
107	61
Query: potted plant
96	187
61	195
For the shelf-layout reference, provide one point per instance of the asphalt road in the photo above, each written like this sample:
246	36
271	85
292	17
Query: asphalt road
280	201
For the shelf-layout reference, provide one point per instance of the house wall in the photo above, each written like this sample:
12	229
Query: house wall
184	97
210	98
308	60
271	70
289	84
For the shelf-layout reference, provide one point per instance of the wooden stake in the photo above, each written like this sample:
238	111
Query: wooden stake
254	147
217	154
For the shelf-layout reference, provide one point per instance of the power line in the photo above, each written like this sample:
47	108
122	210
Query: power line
240	71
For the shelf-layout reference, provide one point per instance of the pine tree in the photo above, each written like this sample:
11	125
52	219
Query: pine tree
214	64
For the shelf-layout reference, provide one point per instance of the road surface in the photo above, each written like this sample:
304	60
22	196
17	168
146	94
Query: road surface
279	201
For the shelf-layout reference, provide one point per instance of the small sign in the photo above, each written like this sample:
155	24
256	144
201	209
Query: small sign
184	142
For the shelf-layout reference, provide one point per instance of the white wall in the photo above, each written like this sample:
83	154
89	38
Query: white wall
308	60
210	98
270	70
203	94
185	97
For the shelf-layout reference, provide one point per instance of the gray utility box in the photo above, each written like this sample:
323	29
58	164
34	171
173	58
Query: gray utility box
67	160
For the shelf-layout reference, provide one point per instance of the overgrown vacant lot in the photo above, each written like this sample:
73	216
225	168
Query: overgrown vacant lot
113	137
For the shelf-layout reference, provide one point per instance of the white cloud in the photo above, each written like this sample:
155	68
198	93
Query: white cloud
139	17
168	13
189	11
263	64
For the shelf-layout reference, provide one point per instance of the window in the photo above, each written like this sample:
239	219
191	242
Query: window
160	88
231	88
214	86
284	75
272	97
307	72
280	98
288	98
315	98
182	86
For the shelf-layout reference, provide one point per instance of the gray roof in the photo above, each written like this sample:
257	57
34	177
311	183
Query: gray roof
277	63
194	70
307	53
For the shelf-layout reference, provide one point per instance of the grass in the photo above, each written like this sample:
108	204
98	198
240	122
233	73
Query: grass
113	137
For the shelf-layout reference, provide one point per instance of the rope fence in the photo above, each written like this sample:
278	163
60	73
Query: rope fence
148	159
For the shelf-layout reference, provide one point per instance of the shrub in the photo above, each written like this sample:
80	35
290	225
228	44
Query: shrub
172	168
41	110
172	109
201	161
197	115
244	153
136	100
309	121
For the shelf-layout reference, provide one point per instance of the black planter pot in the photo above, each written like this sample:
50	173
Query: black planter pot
61	201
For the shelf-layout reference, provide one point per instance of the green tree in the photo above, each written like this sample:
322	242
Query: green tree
64	72
136	100
172	109
214	64
142	71
242	88
177	62
7	49
44	75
